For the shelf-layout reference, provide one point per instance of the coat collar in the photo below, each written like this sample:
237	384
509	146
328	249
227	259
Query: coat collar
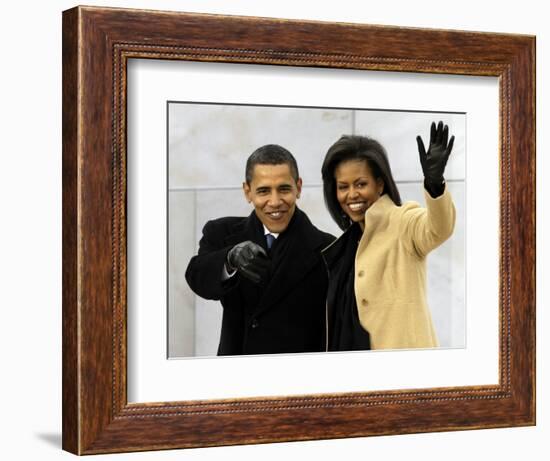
377	217
249	228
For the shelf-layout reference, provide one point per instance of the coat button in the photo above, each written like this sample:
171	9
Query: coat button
254	323
361	273
364	302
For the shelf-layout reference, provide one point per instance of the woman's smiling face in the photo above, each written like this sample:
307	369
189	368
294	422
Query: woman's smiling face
356	188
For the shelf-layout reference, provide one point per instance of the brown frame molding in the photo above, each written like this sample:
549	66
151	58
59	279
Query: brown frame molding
97	43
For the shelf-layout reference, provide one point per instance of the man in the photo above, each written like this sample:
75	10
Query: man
273	294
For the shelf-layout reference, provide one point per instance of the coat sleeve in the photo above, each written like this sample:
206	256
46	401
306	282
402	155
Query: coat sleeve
424	229
204	271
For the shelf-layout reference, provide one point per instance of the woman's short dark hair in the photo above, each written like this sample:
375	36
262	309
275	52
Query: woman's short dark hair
351	147
271	154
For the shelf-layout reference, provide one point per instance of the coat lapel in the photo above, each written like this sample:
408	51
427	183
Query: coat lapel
249	228
376	218
292	260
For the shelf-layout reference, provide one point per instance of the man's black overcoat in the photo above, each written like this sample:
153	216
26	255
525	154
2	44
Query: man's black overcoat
284	315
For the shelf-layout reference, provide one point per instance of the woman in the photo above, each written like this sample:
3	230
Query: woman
377	268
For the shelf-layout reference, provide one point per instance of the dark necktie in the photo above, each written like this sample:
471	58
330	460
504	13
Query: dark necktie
270	239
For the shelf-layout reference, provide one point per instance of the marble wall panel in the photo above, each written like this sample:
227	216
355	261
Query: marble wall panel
208	324
397	132
181	300
313	204
209	144
218	203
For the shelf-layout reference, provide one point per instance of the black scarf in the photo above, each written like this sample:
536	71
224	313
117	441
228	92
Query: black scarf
347	332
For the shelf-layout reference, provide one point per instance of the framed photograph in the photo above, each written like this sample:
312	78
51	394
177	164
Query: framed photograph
202	188
161	111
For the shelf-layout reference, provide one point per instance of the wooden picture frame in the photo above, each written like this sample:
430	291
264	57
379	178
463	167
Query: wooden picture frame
97	43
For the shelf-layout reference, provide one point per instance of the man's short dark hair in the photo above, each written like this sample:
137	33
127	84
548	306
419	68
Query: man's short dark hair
271	154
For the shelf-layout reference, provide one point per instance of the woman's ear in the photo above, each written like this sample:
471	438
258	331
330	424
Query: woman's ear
380	186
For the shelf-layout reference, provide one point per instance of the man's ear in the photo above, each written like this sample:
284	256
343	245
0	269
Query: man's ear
246	191
299	187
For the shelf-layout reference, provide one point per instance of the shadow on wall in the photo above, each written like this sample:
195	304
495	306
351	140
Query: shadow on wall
53	439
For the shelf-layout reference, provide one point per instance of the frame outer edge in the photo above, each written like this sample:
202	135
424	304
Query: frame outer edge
70	121
531	141
95	231
523	221
533	57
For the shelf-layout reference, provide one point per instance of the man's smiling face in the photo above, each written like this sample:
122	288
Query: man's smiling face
273	192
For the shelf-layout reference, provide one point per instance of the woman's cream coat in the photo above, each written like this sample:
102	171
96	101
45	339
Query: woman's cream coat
390	270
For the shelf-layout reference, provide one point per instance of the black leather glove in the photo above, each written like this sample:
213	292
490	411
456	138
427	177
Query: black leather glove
250	260
433	162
